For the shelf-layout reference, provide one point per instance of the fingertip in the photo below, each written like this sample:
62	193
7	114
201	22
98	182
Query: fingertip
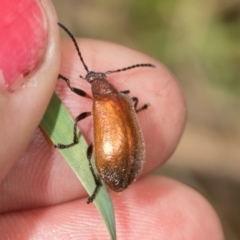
24	100
153	208
163	123
160	208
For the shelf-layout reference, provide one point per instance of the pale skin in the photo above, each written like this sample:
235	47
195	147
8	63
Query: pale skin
41	198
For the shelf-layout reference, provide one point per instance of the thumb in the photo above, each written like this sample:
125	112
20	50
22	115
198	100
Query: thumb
29	65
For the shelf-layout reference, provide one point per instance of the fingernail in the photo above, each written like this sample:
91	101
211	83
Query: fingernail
23	40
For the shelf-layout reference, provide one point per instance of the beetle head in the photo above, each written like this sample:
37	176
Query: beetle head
91	76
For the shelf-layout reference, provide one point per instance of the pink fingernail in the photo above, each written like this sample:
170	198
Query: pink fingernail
23	39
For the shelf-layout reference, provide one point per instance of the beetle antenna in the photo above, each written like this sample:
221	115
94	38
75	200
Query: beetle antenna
130	67
75	44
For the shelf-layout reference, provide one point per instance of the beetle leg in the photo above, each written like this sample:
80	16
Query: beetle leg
75	137
135	100
75	90
125	92
144	107
98	184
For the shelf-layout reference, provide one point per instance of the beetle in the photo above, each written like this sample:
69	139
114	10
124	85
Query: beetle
118	148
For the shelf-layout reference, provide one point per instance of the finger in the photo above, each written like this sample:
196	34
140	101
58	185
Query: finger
162	124
154	208
29	46
41	177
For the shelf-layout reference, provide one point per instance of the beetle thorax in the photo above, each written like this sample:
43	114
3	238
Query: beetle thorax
101	87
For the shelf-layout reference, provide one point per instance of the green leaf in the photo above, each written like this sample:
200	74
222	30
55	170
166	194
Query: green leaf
58	125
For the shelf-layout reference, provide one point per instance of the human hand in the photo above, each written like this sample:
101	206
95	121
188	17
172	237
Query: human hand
41	198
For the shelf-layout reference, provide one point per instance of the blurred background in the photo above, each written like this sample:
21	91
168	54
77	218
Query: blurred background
199	41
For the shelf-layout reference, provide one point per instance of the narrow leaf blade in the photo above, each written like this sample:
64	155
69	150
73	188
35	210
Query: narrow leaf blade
58	125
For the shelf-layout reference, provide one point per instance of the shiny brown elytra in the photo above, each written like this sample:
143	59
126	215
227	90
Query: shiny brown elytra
119	149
